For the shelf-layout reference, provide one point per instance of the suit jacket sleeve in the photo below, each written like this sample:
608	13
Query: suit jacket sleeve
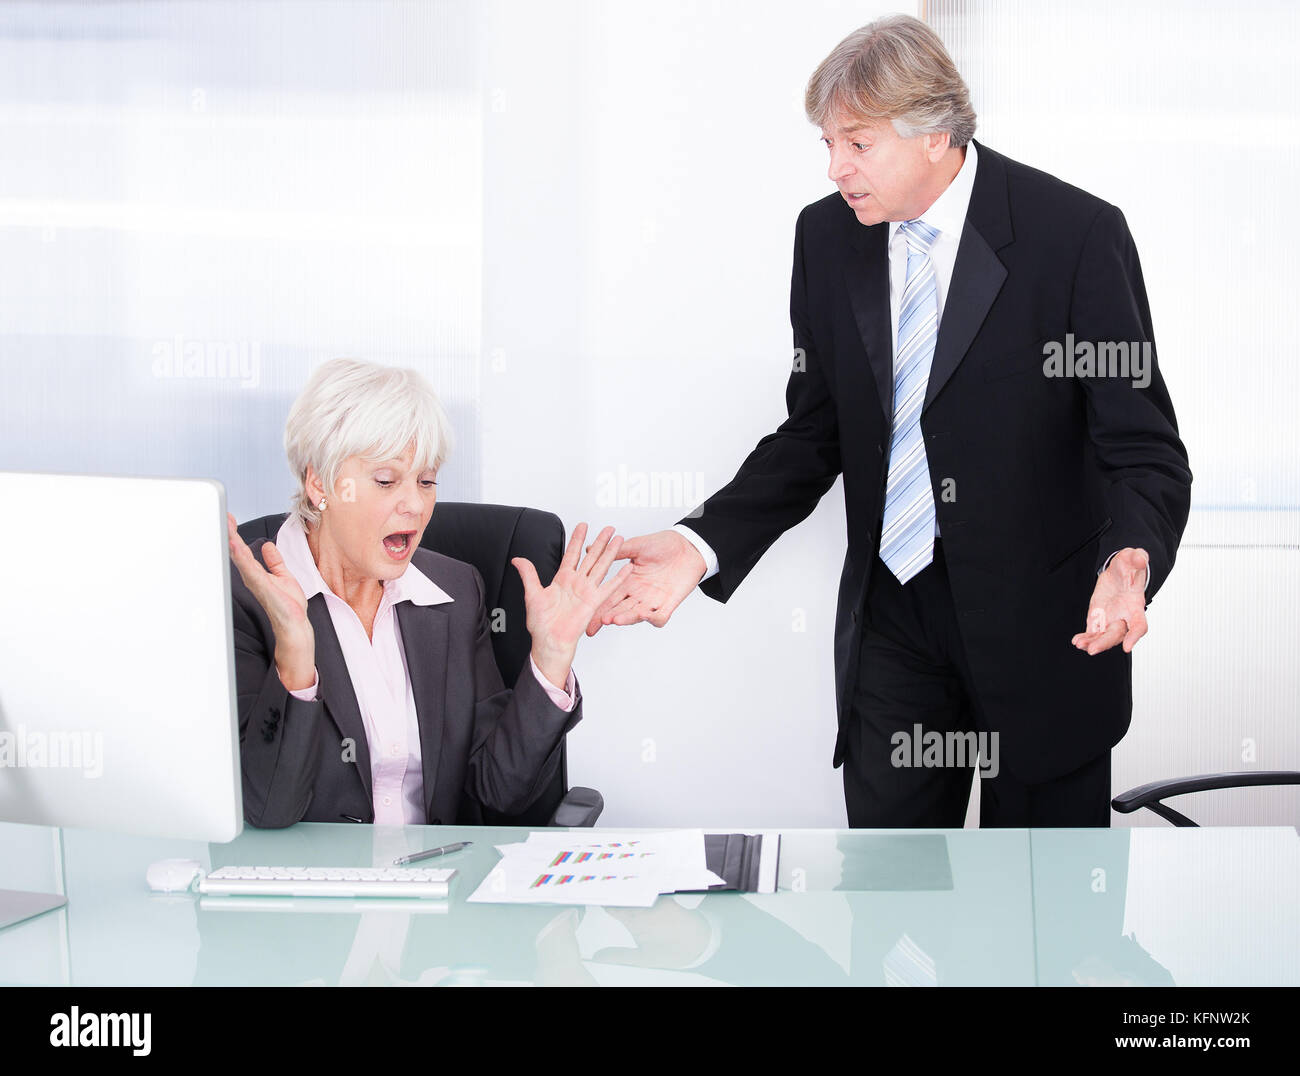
279	735
517	734
1133	430
783	478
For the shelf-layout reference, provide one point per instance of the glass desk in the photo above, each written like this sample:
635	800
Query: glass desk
1203	907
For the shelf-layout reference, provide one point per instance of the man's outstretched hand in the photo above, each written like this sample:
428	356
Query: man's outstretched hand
1117	611
665	568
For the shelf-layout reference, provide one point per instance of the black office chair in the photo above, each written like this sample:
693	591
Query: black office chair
488	536
1149	796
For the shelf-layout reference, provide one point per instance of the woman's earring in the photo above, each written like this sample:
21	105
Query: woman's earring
321	506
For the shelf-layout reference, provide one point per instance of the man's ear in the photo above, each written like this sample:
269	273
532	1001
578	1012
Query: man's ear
936	145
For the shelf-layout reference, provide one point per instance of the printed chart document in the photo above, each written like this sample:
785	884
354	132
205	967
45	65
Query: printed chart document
615	869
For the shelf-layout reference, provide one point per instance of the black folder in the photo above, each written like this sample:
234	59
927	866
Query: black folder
739	858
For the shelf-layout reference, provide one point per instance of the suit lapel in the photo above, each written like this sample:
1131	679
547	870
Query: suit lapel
977	278
424	640
866	273
978	273
336	690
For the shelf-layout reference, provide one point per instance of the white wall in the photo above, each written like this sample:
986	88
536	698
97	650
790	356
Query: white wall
645	165
273	183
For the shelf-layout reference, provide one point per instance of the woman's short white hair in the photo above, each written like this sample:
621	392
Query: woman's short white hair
350	408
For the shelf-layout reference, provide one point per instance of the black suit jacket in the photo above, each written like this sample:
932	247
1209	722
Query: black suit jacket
1049	474
310	761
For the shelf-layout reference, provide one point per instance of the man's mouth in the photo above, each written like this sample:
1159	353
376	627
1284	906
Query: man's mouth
855	198
398	544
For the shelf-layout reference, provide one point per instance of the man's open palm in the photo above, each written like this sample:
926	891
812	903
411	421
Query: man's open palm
665	569
1117	611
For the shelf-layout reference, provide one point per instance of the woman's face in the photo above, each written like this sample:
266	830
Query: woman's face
377	512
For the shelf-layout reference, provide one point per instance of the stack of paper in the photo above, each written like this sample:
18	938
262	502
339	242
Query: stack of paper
586	867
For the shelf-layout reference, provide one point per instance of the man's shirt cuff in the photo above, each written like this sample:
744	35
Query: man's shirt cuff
705	550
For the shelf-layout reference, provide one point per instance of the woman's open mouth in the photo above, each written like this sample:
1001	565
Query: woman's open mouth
398	545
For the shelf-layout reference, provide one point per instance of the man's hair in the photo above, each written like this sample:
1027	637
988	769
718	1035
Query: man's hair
895	69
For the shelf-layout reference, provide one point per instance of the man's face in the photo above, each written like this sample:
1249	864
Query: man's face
882	176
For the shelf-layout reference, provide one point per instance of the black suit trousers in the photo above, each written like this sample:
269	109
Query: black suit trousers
915	725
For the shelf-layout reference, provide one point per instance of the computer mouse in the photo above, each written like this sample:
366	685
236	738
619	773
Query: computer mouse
172	875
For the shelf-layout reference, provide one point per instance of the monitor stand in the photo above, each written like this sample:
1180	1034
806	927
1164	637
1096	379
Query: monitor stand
17	905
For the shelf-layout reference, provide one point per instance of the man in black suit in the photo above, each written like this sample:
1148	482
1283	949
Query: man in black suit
973	352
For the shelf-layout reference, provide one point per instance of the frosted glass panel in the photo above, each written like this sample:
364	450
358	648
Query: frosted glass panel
1184	115
201	202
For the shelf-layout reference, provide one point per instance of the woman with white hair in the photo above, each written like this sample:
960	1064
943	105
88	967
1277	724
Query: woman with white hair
367	687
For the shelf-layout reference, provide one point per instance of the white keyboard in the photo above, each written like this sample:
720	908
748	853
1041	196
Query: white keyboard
327	882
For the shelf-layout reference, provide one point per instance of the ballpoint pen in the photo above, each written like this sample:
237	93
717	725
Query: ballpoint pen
445	850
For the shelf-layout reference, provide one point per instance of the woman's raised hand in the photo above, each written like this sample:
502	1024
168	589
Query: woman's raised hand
558	615
278	592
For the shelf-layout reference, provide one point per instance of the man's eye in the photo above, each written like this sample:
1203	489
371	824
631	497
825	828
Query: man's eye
382	482
428	483
859	146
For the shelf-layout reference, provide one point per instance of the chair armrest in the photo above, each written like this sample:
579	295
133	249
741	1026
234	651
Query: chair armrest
579	809
1151	794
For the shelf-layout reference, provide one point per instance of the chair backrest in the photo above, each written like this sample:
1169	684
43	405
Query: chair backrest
488	536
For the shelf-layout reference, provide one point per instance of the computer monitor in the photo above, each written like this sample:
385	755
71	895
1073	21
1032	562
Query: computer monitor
117	683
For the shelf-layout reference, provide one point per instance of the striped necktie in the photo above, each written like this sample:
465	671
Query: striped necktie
907	535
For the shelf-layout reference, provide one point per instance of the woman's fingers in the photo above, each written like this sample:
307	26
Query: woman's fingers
240	553
574	549
269	580
594	553
237	543
249	569
528	574
602	566
274	560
